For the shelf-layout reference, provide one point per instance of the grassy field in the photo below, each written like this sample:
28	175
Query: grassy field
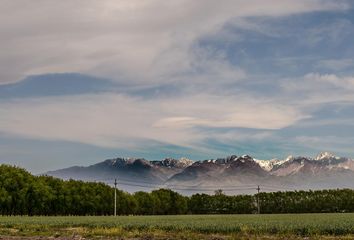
286	226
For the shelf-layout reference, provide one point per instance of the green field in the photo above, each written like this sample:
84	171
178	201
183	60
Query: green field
340	226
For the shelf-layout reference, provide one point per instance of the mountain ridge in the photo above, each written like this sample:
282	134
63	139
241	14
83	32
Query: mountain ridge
323	171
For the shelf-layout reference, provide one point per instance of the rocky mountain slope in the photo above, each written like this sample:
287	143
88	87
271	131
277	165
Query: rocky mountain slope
233	174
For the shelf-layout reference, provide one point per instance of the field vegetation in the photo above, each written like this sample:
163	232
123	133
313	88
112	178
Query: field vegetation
182	226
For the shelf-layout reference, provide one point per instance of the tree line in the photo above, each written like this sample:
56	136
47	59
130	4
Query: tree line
21	193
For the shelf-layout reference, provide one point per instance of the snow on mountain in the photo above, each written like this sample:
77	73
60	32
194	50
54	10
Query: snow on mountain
324	171
325	155
173	163
292	165
289	158
119	161
185	161
267	164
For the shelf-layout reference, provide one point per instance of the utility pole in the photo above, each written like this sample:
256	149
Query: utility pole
258	203
115	197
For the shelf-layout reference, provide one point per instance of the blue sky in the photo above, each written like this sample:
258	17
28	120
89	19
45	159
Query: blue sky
155	79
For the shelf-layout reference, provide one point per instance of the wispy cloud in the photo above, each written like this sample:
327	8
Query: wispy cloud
119	120
207	76
140	41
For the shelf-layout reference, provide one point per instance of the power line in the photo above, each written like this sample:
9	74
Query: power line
122	180
145	184
186	188
278	187
197	188
125	181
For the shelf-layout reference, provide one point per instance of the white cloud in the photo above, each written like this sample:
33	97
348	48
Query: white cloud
229	111
140	41
143	43
343	82
314	90
118	120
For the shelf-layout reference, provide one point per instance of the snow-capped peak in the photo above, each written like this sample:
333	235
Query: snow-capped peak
289	158
185	161
265	164
325	155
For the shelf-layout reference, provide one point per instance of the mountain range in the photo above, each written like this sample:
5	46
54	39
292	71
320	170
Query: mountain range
233	174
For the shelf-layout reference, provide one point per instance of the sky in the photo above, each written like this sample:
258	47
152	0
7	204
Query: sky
83	81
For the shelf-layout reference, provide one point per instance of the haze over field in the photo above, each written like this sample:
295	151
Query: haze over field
82	81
